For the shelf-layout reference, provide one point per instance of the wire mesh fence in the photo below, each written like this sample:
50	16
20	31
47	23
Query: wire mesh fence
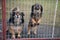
48	24
45	28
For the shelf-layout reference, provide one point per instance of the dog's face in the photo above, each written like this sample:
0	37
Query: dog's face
37	11
17	18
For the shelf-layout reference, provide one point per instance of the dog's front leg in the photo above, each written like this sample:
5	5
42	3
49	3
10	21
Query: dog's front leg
33	21
19	30
34	29
29	29
12	32
39	21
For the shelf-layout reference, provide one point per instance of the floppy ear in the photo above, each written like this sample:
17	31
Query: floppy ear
41	9
32	9
22	14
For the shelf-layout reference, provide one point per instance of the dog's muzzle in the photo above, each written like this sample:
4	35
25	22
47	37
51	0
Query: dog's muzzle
17	20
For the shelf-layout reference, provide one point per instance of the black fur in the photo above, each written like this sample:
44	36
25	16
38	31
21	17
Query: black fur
11	19
22	14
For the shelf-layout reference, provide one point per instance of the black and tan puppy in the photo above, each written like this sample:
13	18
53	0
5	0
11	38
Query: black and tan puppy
16	22
35	19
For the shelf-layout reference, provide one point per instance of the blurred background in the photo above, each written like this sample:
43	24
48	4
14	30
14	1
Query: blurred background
45	29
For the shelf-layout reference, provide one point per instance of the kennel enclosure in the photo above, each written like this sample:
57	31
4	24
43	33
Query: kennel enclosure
47	26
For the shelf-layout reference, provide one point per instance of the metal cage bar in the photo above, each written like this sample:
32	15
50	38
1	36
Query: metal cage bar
4	18
54	18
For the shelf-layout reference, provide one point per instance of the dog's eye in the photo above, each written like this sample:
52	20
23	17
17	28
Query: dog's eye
36	8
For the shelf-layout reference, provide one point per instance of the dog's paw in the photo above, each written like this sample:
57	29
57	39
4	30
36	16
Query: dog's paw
37	23
13	36
35	32
19	36
28	33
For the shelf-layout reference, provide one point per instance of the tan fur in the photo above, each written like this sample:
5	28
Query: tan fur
34	29
29	29
14	30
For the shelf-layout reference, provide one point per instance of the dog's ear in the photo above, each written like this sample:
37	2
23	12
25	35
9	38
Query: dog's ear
22	14
32	9
41	9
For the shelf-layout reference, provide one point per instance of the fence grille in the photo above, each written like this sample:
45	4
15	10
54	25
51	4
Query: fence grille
49	22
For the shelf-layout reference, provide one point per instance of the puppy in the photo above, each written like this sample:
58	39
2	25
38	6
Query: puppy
16	24
35	17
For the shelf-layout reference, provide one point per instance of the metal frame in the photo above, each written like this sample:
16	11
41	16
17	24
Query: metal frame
54	18
4	18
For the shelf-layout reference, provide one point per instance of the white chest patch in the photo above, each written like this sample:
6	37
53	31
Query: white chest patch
17	19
